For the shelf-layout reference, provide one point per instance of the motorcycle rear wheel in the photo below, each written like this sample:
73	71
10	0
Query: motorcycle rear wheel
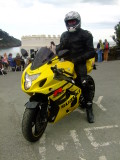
32	126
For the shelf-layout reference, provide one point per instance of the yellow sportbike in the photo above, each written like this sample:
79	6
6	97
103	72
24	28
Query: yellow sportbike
50	79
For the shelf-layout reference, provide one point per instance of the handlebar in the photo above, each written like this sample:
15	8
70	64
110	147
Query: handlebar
59	74
61	70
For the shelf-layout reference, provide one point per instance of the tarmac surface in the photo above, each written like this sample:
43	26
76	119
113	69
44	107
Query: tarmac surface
71	138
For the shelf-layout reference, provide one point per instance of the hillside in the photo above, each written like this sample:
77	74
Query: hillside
7	41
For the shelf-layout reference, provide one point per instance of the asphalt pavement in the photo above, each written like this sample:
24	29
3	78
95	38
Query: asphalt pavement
71	138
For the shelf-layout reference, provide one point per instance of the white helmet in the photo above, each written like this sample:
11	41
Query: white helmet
72	21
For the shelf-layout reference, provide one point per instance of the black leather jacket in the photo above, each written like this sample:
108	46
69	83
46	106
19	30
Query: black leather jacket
80	44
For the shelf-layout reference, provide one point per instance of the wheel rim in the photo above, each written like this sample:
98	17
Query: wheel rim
38	126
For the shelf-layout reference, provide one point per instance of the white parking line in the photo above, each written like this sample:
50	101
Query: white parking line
78	146
92	139
102	158
60	147
98	103
42	149
79	110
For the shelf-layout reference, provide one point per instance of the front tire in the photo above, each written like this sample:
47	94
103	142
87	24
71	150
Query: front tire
32	126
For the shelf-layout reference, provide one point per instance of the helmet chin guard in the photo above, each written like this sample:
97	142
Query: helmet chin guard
73	29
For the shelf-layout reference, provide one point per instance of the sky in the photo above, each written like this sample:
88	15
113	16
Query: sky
37	17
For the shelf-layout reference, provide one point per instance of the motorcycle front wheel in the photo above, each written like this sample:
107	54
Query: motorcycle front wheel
32	126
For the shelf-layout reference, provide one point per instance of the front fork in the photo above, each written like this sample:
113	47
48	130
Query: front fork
39	101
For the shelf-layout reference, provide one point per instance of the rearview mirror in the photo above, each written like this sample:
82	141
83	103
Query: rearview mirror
24	53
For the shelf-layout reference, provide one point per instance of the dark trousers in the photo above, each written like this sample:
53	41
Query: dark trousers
81	81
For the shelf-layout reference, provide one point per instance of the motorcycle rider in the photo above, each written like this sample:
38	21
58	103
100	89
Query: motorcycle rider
80	44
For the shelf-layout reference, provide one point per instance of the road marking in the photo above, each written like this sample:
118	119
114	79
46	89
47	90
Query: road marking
92	139
98	103
78	146
79	110
42	149
60	147
102	158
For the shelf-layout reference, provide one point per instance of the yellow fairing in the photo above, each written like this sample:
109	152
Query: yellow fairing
68	105
47	76
89	64
46	84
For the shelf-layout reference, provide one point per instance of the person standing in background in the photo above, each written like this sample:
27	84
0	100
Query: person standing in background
106	50
100	48
53	47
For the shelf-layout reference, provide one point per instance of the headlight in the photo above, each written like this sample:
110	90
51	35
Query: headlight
29	79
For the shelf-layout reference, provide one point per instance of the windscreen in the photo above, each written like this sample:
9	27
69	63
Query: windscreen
42	57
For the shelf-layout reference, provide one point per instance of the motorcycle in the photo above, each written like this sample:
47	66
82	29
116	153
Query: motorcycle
50	80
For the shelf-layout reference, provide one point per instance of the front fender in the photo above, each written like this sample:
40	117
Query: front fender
35	100
31	105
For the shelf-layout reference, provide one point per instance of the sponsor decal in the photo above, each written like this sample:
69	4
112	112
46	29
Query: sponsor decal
70	100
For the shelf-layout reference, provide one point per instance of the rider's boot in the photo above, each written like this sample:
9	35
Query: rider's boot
86	94
89	111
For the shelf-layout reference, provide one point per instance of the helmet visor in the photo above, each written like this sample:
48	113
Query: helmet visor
71	22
